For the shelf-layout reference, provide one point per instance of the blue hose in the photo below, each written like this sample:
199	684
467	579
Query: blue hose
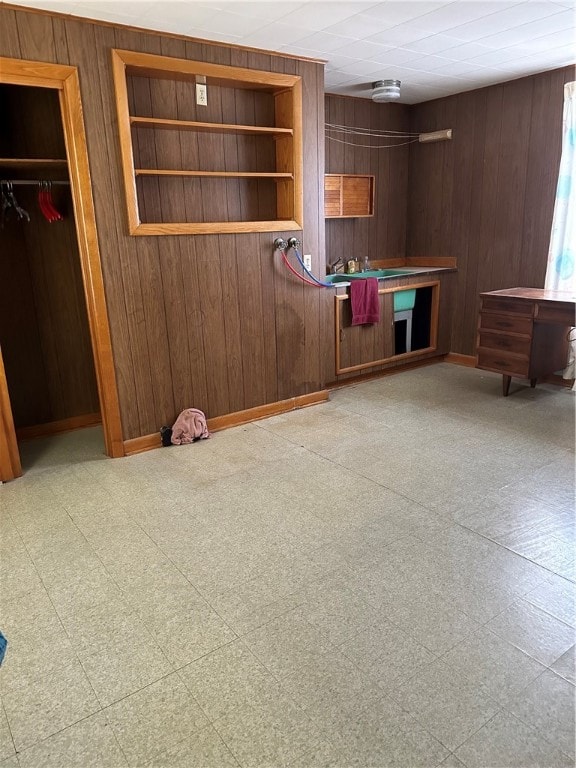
305	268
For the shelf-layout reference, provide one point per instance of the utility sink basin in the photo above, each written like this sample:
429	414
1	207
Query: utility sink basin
378	273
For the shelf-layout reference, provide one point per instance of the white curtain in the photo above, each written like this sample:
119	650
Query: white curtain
561	269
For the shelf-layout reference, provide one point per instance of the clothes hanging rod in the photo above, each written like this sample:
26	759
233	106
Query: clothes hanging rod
30	182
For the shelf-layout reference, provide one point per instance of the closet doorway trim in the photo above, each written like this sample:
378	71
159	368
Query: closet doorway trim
65	79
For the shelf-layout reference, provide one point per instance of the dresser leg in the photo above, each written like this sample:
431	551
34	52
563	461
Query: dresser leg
533	382
506	384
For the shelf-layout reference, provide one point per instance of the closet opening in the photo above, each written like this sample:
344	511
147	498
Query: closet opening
58	398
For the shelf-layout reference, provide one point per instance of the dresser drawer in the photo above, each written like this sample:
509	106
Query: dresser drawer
512	323
502	341
552	312
503	362
515	306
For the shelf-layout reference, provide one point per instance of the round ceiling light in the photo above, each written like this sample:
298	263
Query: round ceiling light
386	90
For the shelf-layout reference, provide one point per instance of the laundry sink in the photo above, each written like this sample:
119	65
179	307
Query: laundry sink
378	273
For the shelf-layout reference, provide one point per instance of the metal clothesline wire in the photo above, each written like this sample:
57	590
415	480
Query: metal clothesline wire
371	146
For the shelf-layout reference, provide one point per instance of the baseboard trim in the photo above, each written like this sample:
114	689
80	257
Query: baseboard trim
56	427
385	372
554	378
458	359
149	442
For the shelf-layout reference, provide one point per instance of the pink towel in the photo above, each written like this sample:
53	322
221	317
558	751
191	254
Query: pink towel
364	301
189	426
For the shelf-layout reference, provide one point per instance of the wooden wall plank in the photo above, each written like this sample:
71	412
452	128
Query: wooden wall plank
9	40
495	188
383	235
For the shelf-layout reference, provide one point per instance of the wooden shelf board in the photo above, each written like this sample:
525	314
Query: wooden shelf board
212	174
31	162
190	125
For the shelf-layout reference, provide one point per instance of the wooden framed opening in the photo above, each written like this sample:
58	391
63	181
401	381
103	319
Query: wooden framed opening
64	80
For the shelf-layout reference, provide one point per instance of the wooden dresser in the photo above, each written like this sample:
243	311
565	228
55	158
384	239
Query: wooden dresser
523	332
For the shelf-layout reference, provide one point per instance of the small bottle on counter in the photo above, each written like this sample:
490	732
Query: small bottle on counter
366	265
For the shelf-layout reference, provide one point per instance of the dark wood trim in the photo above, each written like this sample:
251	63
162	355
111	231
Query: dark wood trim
57	427
458	359
10	467
342	383
149	442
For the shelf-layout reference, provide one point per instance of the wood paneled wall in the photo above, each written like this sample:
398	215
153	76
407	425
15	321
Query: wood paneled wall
487	196
43	321
207	321
384	234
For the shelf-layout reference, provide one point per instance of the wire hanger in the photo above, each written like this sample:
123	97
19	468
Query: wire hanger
9	203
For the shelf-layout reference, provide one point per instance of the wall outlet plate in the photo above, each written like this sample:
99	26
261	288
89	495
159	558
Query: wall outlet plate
307	259
201	95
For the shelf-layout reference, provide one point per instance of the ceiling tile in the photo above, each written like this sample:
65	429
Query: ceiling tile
466	51
324	41
432	44
358	26
318	16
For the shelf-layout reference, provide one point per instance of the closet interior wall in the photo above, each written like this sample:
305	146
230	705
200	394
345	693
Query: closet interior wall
44	331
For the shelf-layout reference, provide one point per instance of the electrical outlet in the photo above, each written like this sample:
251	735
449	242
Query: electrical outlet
201	94
307	261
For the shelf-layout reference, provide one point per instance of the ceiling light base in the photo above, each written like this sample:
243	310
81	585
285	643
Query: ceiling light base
386	90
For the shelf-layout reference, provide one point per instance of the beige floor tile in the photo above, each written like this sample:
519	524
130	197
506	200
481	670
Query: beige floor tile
343	523
337	611
88	744
191	635
386	736
493	666
227	679
558	597
547	704
7	748
452	762
506	742
204	749
287	643
54	702
433	622
155	719
331	685
387	654
447	705
325	755
34	656
28	614
271	735
565	666
533	631
123	668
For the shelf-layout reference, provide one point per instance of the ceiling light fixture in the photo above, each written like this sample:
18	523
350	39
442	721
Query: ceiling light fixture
386	90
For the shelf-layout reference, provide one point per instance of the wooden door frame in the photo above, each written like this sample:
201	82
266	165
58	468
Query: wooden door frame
64	79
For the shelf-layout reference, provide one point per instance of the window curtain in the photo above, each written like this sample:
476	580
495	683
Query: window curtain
561	268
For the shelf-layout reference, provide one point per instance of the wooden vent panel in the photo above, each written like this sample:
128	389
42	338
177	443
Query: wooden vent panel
348	195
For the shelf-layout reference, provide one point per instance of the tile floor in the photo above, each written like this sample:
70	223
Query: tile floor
382	580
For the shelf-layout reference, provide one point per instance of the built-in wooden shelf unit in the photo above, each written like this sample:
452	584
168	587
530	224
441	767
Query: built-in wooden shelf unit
232	166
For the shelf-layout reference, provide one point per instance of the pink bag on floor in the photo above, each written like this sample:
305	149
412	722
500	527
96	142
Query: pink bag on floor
189	427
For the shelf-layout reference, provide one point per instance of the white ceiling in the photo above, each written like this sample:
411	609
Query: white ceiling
435	47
